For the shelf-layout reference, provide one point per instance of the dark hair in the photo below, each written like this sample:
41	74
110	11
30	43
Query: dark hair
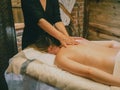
44	42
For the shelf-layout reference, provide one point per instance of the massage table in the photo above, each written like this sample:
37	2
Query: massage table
38	69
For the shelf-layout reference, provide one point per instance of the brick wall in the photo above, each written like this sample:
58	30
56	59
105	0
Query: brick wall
78	15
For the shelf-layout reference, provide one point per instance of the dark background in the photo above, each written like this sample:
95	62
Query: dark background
8	46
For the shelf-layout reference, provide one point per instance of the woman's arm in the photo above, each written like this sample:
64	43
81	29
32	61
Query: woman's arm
64	39
44	24
60	26
87	71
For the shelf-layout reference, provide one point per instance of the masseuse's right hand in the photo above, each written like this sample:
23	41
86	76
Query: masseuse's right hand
67	40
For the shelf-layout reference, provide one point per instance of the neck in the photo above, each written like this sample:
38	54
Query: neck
57	50
53	50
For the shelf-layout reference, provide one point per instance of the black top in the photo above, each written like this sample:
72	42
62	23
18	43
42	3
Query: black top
33	12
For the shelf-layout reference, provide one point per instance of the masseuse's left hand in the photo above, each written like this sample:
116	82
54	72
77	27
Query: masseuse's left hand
68	41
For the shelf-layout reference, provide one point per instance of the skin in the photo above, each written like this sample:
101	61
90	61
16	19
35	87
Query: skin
90	59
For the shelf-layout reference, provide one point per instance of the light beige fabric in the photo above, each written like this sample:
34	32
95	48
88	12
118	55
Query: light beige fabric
16	62
46	58
49	73
116	70
68	4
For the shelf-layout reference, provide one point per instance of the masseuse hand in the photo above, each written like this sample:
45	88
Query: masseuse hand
67	40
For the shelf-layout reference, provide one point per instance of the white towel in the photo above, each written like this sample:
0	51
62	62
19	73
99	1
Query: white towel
116	70
46	58
69	4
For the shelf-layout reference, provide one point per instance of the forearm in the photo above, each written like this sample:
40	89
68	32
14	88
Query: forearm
86	71
103	77
60	35
60	26
47	27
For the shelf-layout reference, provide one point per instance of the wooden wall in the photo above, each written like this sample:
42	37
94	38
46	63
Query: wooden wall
104	20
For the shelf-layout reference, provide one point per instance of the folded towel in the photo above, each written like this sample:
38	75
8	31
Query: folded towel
116	70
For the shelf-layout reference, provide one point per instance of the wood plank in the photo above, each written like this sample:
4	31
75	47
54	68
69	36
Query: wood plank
106	29
19	26
108	37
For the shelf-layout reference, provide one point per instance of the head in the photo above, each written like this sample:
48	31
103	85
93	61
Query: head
48	44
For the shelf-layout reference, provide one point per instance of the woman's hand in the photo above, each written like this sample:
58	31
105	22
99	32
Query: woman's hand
67	40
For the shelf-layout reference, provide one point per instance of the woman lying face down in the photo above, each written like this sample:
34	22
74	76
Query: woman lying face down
90	59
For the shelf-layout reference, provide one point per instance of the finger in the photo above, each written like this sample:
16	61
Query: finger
65	45
77	42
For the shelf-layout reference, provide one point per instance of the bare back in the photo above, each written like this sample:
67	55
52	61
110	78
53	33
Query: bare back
91	54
